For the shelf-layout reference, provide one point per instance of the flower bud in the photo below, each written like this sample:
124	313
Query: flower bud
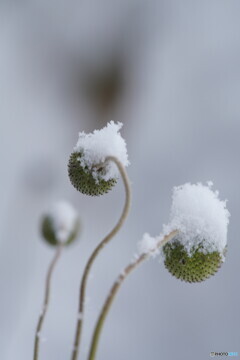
60	225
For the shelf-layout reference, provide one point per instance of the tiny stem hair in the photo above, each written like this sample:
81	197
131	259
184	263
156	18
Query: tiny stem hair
96	252
116	286
46	300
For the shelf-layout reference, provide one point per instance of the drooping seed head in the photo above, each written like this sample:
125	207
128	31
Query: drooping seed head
201	219
88	170
88	181
194	267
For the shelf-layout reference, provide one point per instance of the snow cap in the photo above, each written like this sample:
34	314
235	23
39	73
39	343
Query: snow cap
64	220
200	216
99	144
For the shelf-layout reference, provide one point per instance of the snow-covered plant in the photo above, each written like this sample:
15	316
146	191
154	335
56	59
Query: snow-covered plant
193	243
94	167
90	170
59	227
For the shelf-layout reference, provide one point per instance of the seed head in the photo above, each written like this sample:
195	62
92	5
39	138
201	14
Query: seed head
194	267
88	168
201	219
88	181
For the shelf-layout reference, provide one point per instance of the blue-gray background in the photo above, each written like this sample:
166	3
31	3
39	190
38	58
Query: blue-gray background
178	71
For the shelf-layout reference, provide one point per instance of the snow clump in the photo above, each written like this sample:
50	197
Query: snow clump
98	145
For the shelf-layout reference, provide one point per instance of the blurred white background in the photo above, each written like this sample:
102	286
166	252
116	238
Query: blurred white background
169	70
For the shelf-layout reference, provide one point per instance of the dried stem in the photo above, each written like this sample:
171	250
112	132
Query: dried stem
116	286
46	300
96	252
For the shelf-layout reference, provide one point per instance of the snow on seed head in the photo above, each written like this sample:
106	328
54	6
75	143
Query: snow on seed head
96	146
88	170
200	219
200	216
198	250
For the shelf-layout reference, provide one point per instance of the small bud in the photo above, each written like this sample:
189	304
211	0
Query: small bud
194	267
88	181
60	225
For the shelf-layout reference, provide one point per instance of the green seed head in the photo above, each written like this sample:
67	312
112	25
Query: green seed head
50	235
194	267
83	180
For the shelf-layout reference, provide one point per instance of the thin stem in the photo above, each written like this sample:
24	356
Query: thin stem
96	252
116	286
46	300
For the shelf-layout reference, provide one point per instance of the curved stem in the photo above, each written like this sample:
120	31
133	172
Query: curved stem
46	300
116	286
96	252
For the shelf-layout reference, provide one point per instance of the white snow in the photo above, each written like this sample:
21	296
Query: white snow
96	146
200	216
44	308
148	245
41	338
64	218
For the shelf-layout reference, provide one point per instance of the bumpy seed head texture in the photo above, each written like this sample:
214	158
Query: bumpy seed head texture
50	235
194	267
83	180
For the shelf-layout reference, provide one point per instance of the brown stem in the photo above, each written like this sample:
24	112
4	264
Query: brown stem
116	286
46	300
96	252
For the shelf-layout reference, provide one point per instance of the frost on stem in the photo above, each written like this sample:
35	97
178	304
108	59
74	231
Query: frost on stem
148	245
41	338
202	219
88	170
61	224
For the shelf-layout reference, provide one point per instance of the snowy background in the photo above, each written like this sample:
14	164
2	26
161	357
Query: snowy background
169	70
